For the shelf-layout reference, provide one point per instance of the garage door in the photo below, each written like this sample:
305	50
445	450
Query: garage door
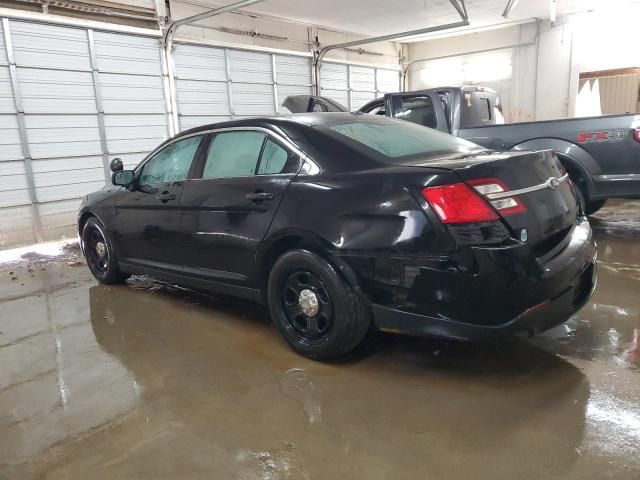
78	98
354	85
215	84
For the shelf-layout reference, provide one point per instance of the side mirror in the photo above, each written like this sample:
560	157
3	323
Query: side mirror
123	178
116	165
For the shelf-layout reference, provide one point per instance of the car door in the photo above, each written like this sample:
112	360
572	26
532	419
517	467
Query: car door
147	215
423	109
229	204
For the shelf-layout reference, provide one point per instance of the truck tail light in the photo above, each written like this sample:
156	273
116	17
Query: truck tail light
506	204
458	203
636	135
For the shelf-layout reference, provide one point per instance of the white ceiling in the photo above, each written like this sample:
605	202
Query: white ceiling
380	17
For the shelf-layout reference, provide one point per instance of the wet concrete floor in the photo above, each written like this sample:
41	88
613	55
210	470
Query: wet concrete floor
149	381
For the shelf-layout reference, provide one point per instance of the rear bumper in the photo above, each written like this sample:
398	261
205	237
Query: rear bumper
506	296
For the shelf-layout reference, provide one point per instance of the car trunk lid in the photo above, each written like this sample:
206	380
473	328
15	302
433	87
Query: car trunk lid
529	190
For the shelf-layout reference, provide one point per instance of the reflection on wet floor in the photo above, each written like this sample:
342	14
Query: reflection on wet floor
149	380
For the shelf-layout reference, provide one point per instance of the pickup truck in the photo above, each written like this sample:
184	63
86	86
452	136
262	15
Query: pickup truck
601	154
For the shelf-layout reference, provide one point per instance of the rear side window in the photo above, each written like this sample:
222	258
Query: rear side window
418	110
481	108
402	139
233	154
275	159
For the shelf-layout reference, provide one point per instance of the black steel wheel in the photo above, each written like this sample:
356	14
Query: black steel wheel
99	253
307	306
315	309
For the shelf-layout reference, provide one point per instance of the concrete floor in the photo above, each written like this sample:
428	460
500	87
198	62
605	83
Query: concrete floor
151	381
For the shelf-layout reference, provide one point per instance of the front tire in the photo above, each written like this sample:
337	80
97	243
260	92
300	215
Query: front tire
99	253
315	309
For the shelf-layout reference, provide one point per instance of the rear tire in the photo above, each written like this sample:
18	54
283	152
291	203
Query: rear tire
315	309
99	253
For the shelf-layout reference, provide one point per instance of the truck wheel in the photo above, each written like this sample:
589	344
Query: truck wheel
315	309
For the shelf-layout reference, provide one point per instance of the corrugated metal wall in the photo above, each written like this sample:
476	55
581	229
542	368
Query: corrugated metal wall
354	85
216	84
76	99
71	99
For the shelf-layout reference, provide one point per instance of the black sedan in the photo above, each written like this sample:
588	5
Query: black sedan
342	222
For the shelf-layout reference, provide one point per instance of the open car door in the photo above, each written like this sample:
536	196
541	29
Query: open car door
312	103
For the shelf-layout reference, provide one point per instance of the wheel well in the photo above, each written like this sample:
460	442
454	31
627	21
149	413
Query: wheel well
83	219
279	247
286	244
576	175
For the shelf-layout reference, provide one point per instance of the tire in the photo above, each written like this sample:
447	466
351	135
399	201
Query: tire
329	328
99	253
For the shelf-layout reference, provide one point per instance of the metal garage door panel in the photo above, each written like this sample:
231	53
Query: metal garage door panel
253	99
388	81
131	93
340	96
292	70
334	76
196	97
358	99
200	63
16	226
65	165
363	79
71	190
63	135
54	183
3	49
118	53
250	67
55	91
7	105
10	148
134	133
59	218
13	184
48	46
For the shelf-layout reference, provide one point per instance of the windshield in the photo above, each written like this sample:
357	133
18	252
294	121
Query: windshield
399	139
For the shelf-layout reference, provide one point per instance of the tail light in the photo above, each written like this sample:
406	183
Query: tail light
505	204
636	135
458	203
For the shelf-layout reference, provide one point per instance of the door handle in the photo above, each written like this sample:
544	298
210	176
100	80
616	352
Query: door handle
259	196
166	196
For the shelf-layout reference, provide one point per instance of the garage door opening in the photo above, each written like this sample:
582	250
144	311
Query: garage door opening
608	92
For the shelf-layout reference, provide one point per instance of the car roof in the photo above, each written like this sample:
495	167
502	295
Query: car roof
314	119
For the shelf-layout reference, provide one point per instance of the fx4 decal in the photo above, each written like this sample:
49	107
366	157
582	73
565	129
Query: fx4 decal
611	135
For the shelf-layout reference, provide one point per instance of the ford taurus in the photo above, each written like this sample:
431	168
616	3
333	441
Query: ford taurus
345	222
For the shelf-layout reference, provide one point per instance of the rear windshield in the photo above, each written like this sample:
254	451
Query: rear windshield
481	108
400	139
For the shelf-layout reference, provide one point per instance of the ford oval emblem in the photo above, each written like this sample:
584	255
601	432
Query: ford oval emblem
523	235
553	183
